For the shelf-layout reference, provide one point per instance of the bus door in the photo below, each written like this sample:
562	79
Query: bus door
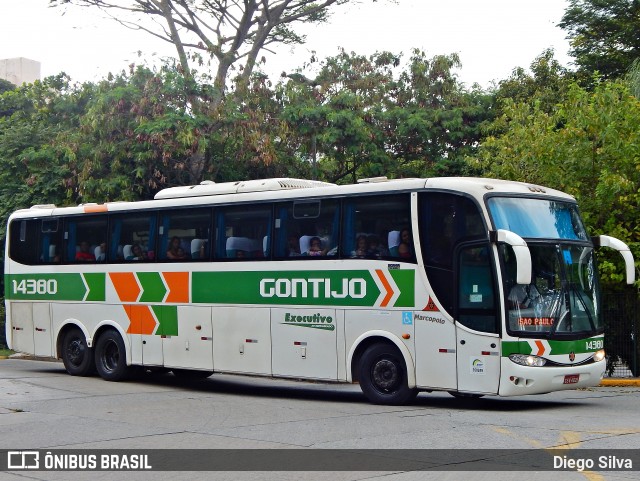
477	320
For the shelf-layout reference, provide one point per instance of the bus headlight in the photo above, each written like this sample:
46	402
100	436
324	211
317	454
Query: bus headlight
528	360
599	355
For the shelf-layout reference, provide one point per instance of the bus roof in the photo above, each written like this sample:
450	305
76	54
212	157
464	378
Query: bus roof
208	193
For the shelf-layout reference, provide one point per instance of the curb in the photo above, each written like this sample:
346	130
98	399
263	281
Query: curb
612	382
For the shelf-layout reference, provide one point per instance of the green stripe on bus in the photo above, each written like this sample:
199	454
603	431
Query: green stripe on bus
153	288
318	288
55	287
580	346
168	318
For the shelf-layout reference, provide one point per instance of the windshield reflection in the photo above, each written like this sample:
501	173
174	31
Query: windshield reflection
562	298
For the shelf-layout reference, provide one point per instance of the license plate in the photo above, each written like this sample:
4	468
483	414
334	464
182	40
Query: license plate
571	378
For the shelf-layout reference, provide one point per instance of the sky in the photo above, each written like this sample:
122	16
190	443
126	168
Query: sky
492	37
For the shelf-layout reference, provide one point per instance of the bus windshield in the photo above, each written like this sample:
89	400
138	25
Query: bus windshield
537	218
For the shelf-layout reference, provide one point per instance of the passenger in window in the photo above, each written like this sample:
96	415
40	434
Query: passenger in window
293	246
101	252
83	254
375	249
315	247
137	254
240	254
404	249
175	251
362	248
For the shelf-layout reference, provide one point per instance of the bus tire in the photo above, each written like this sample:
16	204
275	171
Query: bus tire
111	356
191	374
383	376
77	356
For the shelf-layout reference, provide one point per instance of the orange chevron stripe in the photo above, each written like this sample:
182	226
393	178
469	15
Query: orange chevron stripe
178	284
126	286
540	348
387	286
142	320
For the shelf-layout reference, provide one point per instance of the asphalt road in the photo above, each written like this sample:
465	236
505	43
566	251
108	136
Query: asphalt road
41	407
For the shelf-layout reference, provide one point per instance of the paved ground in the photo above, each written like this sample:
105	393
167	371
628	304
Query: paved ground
41	407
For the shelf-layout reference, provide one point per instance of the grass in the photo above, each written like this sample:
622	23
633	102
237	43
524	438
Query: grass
6	352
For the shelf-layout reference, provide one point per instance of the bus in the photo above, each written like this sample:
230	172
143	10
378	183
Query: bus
471	286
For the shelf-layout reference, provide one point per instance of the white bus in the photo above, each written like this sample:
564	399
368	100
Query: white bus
471	286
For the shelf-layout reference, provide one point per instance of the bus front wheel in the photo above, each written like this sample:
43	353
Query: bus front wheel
111	357
76	354
383	376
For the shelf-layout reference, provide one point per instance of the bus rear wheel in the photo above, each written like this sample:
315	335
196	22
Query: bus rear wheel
111	356
77	356
383	376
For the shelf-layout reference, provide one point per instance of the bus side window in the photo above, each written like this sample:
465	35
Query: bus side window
243	232
192	228
128	230
476	293
82	235
373	227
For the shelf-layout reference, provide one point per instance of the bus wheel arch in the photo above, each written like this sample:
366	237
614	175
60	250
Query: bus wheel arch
384	371
73	346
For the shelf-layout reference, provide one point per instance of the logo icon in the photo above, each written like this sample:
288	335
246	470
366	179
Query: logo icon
477	366
407	318
572	356
23	460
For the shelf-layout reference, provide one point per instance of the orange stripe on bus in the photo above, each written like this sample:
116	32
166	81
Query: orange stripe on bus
178	284
540	348
142	320
126	286
95	208
387	286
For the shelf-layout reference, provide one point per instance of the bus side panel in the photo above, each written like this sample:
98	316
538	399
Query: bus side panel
192	346
22	327
242	339
304	343
358	322
435	350
42	334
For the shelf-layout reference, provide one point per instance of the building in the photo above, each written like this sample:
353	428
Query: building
19	70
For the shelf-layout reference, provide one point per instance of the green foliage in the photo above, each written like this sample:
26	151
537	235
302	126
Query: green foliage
368	116
588	146
604	35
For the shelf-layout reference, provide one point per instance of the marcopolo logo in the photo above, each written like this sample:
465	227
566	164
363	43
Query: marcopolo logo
315	321
314	288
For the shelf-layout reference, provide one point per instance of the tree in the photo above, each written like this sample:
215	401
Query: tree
228	31
546	82
5	86
370	116
587	146
603	34
34	166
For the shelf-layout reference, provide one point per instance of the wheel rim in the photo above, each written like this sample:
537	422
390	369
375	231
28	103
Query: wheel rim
386	375
110	356
76	351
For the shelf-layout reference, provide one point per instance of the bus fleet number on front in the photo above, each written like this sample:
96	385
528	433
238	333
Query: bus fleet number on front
35	286
595	345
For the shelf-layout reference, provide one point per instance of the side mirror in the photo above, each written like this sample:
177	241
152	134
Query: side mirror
623	249
520	249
